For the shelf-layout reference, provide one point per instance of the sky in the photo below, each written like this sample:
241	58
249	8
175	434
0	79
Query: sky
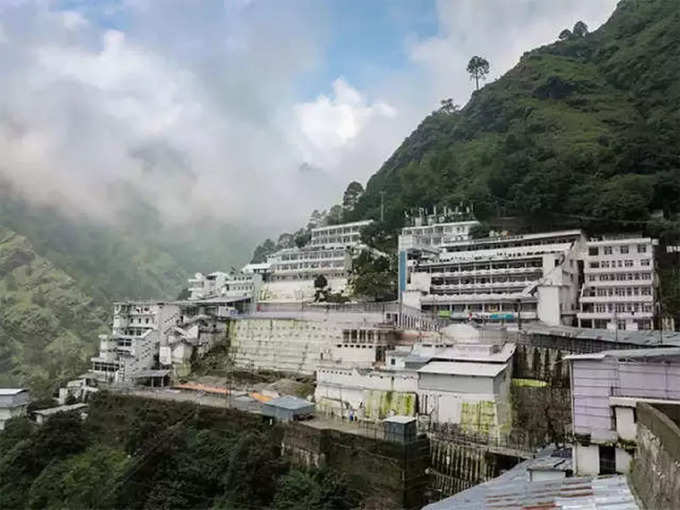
254	112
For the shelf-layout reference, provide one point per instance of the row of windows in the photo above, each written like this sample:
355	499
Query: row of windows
435	230
622	249
622	307
619	277
328	254
621	291
605	264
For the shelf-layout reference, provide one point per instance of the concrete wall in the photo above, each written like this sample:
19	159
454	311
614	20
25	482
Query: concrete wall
284	345
626	427
657	460
586	459
457	383
388	475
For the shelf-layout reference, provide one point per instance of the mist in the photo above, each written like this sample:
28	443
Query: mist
221	110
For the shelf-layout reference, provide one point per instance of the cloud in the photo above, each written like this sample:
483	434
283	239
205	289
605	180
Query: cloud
198	111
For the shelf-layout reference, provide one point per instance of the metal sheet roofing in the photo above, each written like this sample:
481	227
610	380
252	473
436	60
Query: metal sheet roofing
289	402
462	368
11	391
603	493
661	352
641	337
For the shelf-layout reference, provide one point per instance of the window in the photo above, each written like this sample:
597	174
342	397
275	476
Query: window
642	248
645	262
594	265
604	264
593	251
624	249
607	250
628	263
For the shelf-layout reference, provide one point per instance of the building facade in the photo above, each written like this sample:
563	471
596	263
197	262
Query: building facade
619	284
13	402
605	389
498	278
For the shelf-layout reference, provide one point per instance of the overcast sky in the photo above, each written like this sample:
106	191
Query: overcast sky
253	111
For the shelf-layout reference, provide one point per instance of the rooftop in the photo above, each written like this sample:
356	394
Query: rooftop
399	419
463	368
289	402
11	391
59	409
659	353
646	337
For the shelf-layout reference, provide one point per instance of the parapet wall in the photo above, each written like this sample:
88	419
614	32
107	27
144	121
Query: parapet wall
389	475
657	460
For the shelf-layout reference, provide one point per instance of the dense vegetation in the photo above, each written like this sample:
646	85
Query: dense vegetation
583	132
155	455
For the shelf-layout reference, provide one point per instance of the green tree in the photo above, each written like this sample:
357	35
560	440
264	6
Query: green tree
565	34
313	490
351	196
373	277
478	68
448	106
580	29
320	288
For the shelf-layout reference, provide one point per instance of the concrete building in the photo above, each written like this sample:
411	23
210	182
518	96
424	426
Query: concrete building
465	384
13	402
224	285
497	278
344	235
619	284
605	388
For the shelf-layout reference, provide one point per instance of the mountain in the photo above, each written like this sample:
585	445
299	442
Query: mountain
48	326
582	132
59	275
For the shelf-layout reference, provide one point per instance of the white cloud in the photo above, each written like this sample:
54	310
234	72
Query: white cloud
197	110
330	123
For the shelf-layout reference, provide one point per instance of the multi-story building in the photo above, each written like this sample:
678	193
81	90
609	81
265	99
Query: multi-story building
498	277
618	289
308	262
134	342
430	231
605	389
218	284
345	234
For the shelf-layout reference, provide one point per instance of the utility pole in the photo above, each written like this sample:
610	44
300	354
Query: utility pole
382	206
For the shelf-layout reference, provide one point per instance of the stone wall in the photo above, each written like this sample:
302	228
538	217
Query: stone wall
657	460
281	345
388	475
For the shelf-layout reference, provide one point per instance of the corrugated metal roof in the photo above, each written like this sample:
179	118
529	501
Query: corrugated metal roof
640	337
629	353
289	402
462	368
11	391
603	493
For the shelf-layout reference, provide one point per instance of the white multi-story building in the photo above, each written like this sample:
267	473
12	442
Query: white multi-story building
345	234
619	285
134	342
223	285
308	262
496	278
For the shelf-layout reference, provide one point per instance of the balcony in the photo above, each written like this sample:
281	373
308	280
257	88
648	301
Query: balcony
617	299
611	315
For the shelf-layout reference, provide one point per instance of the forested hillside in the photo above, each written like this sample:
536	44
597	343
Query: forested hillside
582	132
59	276
48	326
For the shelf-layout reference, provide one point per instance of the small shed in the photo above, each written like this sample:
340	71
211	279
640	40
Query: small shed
288	408
42	415
13	402
400	429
